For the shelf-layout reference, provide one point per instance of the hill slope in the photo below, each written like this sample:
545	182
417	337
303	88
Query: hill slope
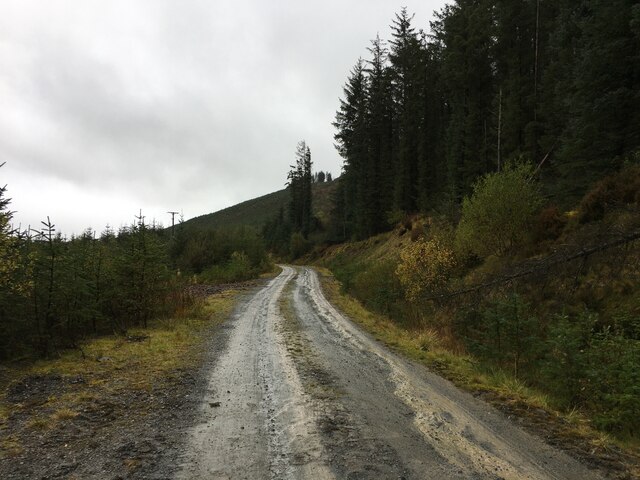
255	212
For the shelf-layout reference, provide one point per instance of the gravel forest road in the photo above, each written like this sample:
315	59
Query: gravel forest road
301	392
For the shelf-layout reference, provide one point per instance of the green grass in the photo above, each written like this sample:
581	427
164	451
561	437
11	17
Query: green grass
167	343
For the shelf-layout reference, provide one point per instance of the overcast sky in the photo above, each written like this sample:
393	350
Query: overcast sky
107	107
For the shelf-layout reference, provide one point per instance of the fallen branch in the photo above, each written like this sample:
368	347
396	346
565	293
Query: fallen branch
541	266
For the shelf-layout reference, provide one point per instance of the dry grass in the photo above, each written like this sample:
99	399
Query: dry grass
131	464
167	346
4	413
422	344
64	414
511	387
10	447
39	423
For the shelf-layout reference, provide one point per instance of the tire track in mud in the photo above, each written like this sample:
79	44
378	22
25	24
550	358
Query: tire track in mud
255	423
351	452
460	437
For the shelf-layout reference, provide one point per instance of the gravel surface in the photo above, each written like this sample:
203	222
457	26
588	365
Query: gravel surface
313	396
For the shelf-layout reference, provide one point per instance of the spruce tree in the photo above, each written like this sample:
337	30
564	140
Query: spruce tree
379	123
603	100
299	185
465	31
405	70
351	143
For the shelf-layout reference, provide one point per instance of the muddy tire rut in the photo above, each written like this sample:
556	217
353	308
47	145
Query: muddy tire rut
299	391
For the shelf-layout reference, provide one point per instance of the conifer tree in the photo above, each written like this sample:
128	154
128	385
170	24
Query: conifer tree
464	29
555	83
351	143
603	99
516	76
405	58
299	184
379	124
431	165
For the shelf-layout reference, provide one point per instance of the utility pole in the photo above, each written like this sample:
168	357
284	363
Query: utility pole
173	223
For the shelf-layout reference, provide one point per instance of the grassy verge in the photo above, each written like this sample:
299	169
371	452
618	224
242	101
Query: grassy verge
572	431
42	396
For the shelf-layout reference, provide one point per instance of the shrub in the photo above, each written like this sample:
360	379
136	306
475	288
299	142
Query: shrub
599	370
549	224
612	191
565	361
417	231
239	265
504	333
377	286
237	269
500	212
613	374
425	267
298	245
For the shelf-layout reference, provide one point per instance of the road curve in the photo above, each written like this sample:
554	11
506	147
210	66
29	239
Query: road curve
301	392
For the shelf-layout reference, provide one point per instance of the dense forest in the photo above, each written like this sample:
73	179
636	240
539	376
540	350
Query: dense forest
493	81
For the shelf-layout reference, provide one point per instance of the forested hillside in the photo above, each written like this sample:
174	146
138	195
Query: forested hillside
490	82
255	212
500	150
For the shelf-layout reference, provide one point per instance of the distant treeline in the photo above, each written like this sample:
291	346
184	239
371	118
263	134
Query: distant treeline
219	256
555	83
54	292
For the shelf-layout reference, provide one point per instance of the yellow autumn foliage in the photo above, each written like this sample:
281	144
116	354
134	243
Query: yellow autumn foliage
425	268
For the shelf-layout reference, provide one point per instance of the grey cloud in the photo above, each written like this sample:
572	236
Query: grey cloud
194	104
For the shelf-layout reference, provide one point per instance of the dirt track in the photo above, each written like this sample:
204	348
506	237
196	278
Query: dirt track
300	392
